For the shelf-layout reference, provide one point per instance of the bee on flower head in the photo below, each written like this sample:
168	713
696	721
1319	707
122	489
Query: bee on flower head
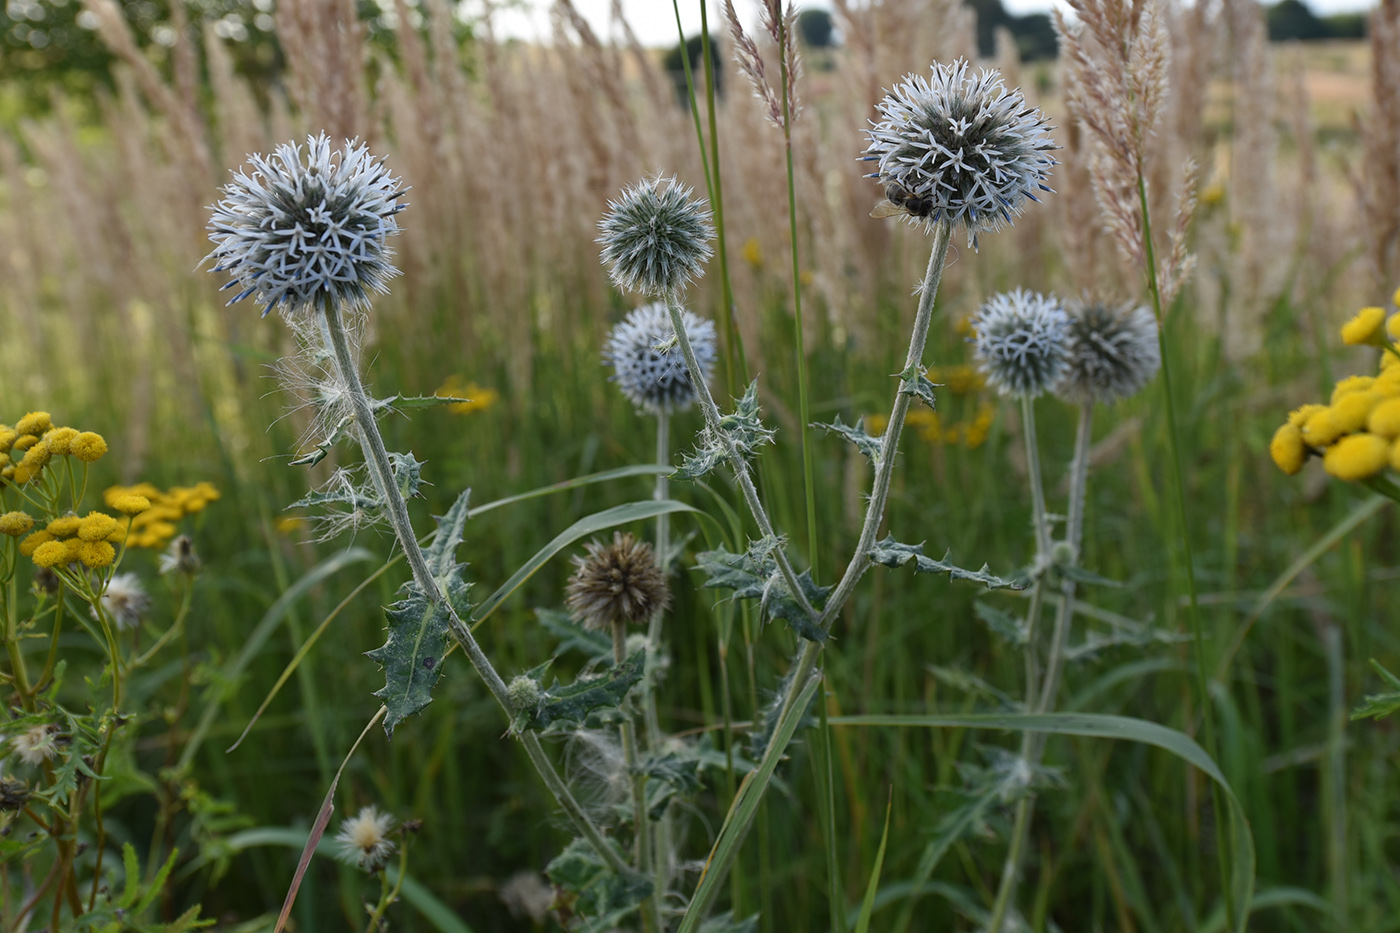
899	200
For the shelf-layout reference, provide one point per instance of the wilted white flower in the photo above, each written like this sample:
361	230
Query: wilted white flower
37	744
180	557
125	601
364	838
1113	352
655	237
1021	342
959	146
298	230
651	370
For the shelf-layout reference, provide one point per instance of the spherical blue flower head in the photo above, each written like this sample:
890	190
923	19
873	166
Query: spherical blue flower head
655	237
1021	342
1113	352
959	146
298	230
650	368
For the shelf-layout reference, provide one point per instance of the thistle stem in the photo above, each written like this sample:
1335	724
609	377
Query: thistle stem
1033	743
804	666
736	459
377	459
641	825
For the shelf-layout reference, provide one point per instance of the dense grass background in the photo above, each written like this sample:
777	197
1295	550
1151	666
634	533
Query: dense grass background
180	386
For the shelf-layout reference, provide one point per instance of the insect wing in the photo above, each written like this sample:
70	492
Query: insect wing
887	208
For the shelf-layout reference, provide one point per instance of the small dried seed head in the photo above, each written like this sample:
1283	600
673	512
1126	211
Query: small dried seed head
364	839
1021	342
655	237
618	582
180	557
125	601
650	368
1113	352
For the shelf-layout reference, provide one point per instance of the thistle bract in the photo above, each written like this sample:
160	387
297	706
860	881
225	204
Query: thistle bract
655	237
1113	352
300	230
958	146
1021	342
650	368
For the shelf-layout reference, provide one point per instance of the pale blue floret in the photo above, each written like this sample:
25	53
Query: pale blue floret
650	368
299	230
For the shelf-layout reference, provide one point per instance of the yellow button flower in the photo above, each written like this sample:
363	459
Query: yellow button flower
1321	429
1351	384
8	436
1385	419
96	554
88	447
97	526
58	440
1287	449
28	545
1356	457
51	554
1350	412
1365	327
130	504
36	423
15	524
64	527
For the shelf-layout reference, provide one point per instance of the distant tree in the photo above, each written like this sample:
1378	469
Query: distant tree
1034	33
815	28
1346	25
1292	19
675	67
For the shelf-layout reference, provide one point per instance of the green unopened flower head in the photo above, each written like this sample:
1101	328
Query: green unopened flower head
1021	342
958	146
300	230
655	237
1113	352
650	368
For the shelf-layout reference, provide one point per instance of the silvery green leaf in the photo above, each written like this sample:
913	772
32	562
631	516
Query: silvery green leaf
442	554
669	774
574	637
1003	623
865	443
727	924
404	403
916	384
341	494
744	426
892	553
576	702
1080	575
590	896
412	655
755	574
1380	705
408	472
700	461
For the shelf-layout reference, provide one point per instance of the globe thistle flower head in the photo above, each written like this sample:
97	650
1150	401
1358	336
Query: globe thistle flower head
650	368
618	582
958	146
1113	352
1021	342
655	237
364	839
302	228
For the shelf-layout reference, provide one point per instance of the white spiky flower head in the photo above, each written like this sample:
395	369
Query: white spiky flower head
301	229
364	839
655	237
1113	352
1021	342
959	146
650	368
125	601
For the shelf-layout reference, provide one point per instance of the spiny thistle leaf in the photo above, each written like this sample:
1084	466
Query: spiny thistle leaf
412	657
755	574
442	556
345	494
1080	575
743	427
865	443
589	892
916	384
668	775
700	461
408	473
577	701
1003	623
574	637
892	553
408	402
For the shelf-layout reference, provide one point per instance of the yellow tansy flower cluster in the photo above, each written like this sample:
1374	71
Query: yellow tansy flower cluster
68	539
1358	433
34	441
155	512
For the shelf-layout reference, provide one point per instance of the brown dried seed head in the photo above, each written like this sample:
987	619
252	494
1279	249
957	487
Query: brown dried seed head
618	582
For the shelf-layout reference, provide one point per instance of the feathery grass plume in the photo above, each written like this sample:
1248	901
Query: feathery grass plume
125	601
1116	64
1021	342
655	237
781	25
364	839
618	582
299	230
649	366
1113	352
959	145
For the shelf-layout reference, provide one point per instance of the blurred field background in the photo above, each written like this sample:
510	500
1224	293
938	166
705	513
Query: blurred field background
512	150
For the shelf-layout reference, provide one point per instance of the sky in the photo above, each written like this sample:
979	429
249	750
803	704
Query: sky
654	21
